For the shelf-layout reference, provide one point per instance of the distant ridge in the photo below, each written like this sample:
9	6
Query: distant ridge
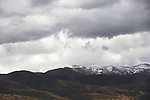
123	70
111	69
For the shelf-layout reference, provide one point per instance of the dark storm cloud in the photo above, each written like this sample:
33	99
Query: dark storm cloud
89	4
41	2
32	35
126	18
34	19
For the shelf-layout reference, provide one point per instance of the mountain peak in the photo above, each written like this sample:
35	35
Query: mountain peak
145	67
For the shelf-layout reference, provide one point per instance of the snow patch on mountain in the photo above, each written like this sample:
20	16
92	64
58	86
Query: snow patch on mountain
122	70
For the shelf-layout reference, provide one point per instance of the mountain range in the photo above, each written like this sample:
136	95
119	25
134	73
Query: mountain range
141	68
78	83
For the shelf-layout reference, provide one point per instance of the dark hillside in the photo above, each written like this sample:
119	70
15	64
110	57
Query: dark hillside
75	84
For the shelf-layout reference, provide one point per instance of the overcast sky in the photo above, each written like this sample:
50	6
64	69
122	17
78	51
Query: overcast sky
39	35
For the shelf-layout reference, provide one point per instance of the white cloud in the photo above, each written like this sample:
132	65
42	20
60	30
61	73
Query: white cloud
53	52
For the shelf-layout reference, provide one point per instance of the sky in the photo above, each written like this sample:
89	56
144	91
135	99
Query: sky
39	35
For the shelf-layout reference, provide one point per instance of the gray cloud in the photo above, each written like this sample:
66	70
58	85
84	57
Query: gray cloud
90	4
145	3
105	47
30	19
55	33
41	2
120	19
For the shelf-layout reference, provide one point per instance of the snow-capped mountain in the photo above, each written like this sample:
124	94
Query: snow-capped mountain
141	68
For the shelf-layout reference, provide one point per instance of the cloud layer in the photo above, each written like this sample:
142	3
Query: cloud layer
53	52
39	35
24	20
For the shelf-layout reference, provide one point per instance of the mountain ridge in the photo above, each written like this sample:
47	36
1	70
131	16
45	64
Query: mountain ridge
111	69
78	82
123	70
